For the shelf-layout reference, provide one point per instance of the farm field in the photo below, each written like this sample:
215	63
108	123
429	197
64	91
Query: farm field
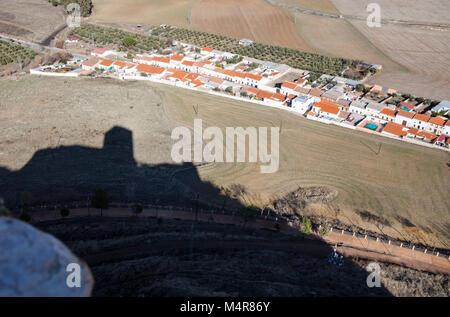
318	5
152	12
424	51
32	20
419	11
426	54
253	19
338	37
405	184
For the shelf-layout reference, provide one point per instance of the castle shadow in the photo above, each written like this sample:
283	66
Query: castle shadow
72	173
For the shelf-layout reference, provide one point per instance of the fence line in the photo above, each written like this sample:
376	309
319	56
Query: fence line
231	212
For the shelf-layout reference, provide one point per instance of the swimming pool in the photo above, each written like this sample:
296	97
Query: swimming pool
371	126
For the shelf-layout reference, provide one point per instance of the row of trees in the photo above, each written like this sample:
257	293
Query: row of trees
14	53
278	54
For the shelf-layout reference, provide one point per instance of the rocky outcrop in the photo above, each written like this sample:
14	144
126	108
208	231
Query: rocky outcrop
33	263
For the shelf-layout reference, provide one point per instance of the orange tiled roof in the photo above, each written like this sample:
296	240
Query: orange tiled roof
277	97
149	69
188	63
177	57
395	129
254	77
328	107
263	94
207	49
289	84
437	120
427	135
106	62
422	117
388	112
120	64
406	114
161	59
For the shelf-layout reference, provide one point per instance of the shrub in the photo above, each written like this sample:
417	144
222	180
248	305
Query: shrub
129	41
306	225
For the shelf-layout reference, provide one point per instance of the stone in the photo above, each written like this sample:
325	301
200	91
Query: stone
34	264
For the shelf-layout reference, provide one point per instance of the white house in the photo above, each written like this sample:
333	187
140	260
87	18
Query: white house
373	109
90	63
444	105
404	118
420	121
358	107
101	52
436	125
72	40
302	103
446	129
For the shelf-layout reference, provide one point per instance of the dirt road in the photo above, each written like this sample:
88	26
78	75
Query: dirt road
352	246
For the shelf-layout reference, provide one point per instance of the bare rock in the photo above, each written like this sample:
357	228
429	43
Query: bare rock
34	263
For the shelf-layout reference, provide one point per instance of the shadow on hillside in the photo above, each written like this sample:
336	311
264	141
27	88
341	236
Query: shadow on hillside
71	173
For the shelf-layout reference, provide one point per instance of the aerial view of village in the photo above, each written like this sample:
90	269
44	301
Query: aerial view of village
224	149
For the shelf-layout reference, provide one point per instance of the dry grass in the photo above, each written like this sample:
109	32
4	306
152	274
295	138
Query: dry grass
404	180
32	20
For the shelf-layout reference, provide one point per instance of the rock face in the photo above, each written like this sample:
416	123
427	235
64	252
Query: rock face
33	263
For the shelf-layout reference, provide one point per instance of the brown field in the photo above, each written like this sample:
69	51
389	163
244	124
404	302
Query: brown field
338	37
152	12
33	20
417	10
424	51
404	181
319	5
253	19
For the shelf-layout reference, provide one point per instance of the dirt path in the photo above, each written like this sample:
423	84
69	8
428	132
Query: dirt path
353	246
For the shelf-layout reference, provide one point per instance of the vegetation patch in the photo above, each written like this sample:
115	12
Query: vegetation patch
14	53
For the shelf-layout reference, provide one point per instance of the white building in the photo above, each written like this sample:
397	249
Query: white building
302	103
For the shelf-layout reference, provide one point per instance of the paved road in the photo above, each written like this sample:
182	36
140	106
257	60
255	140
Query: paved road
37	47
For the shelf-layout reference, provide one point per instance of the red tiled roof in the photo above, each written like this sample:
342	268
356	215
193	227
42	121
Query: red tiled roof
388	112
395	129
405	114
207	49
149	69
106	62
437	121
327	107
289	84
177	57
422	117
427	135
188	63
263	94
254	77
120	64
